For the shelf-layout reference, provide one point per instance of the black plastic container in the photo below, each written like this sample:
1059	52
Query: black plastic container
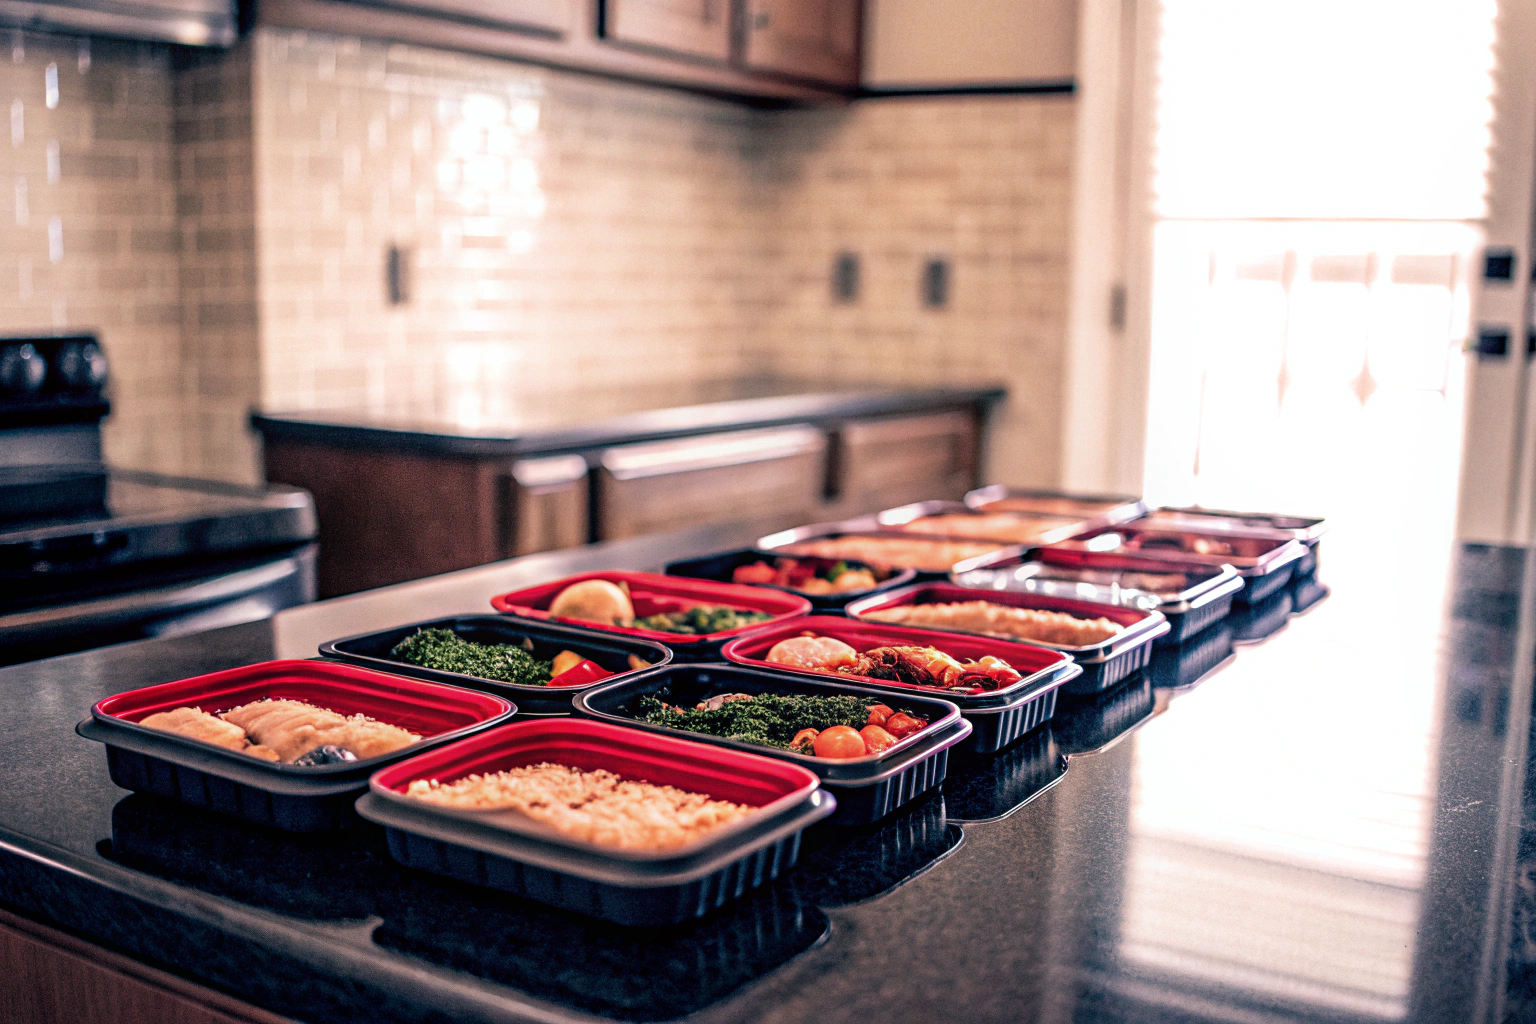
1188	663
608	650
1104	663
867	788
998	717
503	850
1190	595
1093	724
285	796
720	567
1262	620
842	867
989	789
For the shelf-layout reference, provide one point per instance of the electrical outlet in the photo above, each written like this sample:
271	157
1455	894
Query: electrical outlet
397	275
845	277
936	283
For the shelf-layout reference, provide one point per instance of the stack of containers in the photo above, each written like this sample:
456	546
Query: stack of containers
465	727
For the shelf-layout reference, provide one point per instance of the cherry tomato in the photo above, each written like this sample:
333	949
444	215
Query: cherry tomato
876	739
839	741
804	741
878	713
759	572
902	725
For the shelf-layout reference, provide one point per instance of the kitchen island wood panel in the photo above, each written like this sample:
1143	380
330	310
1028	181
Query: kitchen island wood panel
50	977
399	501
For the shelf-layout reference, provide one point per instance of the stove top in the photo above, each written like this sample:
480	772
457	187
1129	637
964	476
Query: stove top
145	517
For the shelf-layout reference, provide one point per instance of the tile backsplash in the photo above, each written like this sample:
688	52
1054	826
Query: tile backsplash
225	220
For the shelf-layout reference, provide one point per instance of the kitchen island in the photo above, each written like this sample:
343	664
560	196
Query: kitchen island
1324	825
422	490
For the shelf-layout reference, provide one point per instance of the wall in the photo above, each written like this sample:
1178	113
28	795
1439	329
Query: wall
564	234
983	181
88	235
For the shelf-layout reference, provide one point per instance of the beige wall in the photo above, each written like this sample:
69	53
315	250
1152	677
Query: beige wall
88	224
566	233
981	181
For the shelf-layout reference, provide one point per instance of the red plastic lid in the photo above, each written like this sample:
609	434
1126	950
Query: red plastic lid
1243	548
651	593
429	709
946	593
633	753
1028	661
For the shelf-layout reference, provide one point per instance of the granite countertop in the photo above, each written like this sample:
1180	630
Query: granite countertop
553	422
1328	825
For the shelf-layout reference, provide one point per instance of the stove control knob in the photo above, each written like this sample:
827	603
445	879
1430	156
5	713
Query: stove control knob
22	370
81	365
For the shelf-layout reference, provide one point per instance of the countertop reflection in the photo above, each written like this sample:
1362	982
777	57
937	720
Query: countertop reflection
1316	816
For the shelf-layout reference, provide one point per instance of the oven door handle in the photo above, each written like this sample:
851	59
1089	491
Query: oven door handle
154	603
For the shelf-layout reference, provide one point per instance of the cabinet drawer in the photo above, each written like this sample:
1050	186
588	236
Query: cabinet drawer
694	28
888	462
671	485
552	17
545	505
812	39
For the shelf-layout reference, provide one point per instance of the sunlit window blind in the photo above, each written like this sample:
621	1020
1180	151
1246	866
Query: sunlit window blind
1352	109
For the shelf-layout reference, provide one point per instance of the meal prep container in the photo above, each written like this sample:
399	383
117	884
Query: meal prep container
866	526
719	568
867	788
652	593
1306	592
1104	663
1258	622
1205	598
1308	530
1028	528
1265	564
502	849
1188	663
997	717
605	649
1099	509
1097	723
992	789
285	796
842	867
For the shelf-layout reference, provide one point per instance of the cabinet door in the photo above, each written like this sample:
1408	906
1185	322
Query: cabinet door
888	462
698	28
815	39
556	17
777	474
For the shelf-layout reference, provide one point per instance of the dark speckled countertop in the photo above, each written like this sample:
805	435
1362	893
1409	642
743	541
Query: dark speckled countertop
1329	825
548	422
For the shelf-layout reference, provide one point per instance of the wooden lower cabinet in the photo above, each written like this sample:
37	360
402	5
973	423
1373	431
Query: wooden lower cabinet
812	39
883	463
717	478
387	517
50	977
693	28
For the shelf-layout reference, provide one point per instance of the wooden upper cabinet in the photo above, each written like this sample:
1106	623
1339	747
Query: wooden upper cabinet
813	39
555	17
696	28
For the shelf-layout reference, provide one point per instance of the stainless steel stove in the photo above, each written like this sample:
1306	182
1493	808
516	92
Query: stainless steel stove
91	555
